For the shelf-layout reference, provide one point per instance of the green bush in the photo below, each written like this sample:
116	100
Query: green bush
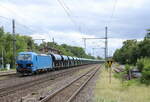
127	67
3	69
140	64
143	65
146	75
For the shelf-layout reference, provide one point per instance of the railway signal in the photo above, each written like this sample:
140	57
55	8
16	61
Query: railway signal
109	63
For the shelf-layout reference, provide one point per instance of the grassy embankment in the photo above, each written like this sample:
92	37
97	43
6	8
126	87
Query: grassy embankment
119	91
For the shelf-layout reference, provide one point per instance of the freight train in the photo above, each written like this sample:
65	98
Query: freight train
33	63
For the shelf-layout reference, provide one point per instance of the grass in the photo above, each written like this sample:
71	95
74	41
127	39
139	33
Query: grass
118	91
4	69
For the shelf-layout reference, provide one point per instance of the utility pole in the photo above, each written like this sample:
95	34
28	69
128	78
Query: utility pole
14	43
106	44
106	54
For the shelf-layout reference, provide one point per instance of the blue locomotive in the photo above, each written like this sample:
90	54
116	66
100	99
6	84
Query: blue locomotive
31	62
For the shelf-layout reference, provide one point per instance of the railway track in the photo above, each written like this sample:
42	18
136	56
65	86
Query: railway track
68	92
12	89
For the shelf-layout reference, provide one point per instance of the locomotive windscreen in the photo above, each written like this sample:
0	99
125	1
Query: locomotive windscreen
24	57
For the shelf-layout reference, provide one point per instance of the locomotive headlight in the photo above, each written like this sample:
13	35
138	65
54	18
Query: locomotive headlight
29	65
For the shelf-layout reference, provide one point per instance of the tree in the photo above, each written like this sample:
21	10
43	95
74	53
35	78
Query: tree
144	48
144	66
23	43
128	53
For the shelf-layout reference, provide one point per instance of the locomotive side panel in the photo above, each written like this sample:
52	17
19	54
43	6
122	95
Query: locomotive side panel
44	62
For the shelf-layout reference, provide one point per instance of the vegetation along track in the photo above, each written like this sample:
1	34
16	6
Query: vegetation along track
14	88
7	74
68	92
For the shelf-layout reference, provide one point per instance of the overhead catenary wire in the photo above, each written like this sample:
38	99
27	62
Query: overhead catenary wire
7	19
13	12
113	12
65	5
22	25
20	16
68	12
108	24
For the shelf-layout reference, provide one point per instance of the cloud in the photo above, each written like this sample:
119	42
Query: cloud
92	16
47	19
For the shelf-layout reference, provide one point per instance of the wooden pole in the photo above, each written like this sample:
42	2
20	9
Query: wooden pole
110	70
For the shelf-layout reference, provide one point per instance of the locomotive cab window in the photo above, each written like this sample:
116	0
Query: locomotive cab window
24	57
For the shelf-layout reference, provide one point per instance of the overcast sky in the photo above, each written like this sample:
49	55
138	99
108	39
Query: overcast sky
47	19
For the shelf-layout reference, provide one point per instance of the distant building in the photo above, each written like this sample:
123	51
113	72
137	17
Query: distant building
49	50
